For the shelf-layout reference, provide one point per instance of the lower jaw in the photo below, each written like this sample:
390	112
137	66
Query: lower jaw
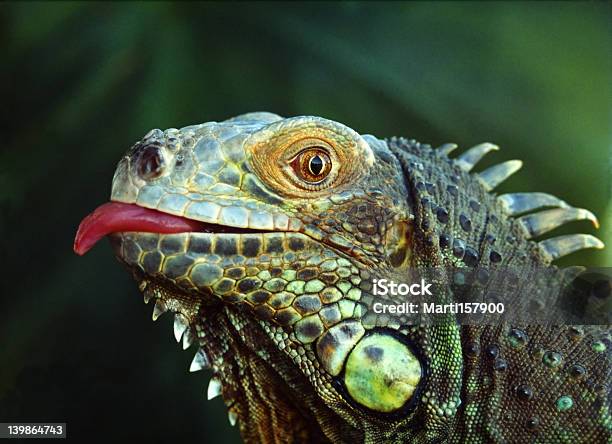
187	274
238	248
196	266
215	333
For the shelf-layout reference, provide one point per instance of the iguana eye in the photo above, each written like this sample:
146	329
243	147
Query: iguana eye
312	165
308	157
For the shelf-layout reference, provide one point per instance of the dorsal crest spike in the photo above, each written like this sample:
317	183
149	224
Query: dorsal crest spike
493	176
545	221
518	203
447	148
560	246
471	157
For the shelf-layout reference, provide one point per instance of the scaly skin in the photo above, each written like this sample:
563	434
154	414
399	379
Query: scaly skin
278	296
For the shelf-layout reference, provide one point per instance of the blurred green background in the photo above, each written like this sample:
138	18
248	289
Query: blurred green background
82	81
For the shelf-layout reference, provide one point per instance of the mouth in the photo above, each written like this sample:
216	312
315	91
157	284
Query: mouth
116	217
190	258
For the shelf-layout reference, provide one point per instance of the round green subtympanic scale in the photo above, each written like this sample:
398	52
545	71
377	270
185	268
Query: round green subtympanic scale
382	373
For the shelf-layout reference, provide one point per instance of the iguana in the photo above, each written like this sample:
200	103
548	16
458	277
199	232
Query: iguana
262	235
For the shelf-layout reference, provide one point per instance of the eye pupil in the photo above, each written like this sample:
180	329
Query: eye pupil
315	165
312	166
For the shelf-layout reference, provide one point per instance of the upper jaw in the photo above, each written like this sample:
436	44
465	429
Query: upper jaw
231	210
211	186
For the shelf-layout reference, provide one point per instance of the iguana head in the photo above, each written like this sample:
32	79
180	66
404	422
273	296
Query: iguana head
262	236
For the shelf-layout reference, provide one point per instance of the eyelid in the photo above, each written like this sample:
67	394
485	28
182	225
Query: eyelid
299	153
296	148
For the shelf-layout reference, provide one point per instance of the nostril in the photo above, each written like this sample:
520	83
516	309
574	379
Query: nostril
150	162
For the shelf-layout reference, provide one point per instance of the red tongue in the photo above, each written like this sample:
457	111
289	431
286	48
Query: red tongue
115	217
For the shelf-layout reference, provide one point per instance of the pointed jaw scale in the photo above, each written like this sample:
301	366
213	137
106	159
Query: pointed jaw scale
114	217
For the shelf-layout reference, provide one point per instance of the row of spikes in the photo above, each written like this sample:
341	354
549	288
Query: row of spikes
517	204
183	334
